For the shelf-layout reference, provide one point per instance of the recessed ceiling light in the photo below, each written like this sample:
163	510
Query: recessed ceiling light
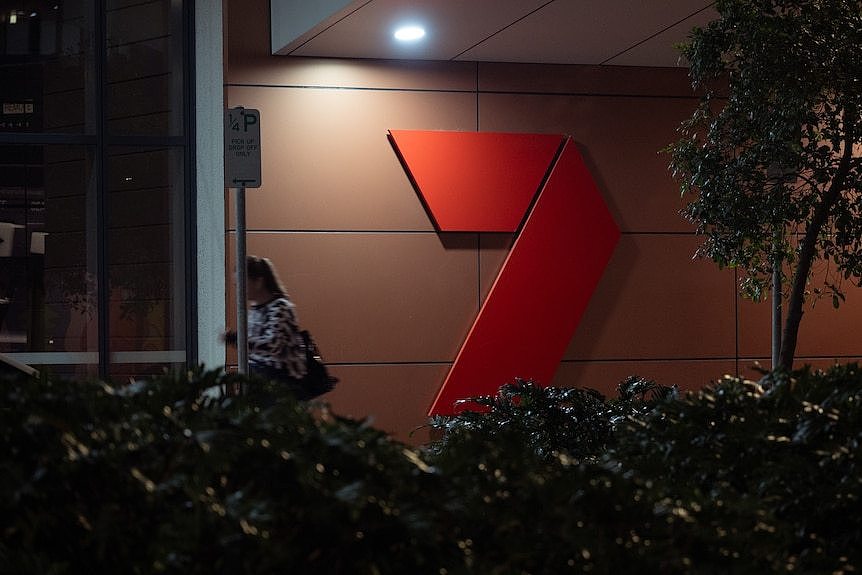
409	33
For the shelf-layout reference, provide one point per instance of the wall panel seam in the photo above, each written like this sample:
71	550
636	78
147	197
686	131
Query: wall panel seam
586	361
434	232
590	95
650	359
465	91
354	88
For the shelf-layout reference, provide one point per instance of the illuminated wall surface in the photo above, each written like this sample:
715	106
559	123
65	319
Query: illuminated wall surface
391	299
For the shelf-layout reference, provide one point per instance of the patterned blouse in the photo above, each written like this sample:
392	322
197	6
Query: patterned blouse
274	339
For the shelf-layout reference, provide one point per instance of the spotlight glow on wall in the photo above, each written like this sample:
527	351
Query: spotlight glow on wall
409	33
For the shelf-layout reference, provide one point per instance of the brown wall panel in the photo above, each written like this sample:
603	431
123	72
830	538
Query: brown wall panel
655	302
335	73
372	298
246	31
563	79
396	398
620	138
829	332
327	163
824	331
605	376
755	329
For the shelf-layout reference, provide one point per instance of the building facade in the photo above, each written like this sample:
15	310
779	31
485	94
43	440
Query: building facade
118	233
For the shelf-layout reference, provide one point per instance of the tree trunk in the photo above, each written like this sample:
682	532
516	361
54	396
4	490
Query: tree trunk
794	306
808	250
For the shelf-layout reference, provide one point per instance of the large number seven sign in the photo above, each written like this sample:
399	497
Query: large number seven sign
537	186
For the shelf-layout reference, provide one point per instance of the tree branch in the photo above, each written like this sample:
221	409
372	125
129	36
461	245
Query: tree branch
809	244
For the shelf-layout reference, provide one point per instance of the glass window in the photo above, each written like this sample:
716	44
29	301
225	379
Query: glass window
93	181
46	59
144	67
146	257
48	298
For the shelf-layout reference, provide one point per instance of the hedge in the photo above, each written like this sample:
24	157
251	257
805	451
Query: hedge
172	476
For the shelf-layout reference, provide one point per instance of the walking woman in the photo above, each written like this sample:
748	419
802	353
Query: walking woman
276	348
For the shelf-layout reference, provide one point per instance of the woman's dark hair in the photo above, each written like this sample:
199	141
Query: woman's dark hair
262	268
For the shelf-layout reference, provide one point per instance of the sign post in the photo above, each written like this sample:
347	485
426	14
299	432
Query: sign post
242	170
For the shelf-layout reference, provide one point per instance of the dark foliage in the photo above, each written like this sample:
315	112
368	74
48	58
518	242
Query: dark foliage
162	477
159	478
789	453
577	422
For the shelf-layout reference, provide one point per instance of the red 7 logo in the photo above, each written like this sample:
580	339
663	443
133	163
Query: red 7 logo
537	186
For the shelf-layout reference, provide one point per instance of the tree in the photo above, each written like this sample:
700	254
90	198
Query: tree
772	154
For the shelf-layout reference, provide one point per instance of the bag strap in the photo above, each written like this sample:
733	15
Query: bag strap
309	343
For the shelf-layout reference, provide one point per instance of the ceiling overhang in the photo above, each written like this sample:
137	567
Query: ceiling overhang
593	32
